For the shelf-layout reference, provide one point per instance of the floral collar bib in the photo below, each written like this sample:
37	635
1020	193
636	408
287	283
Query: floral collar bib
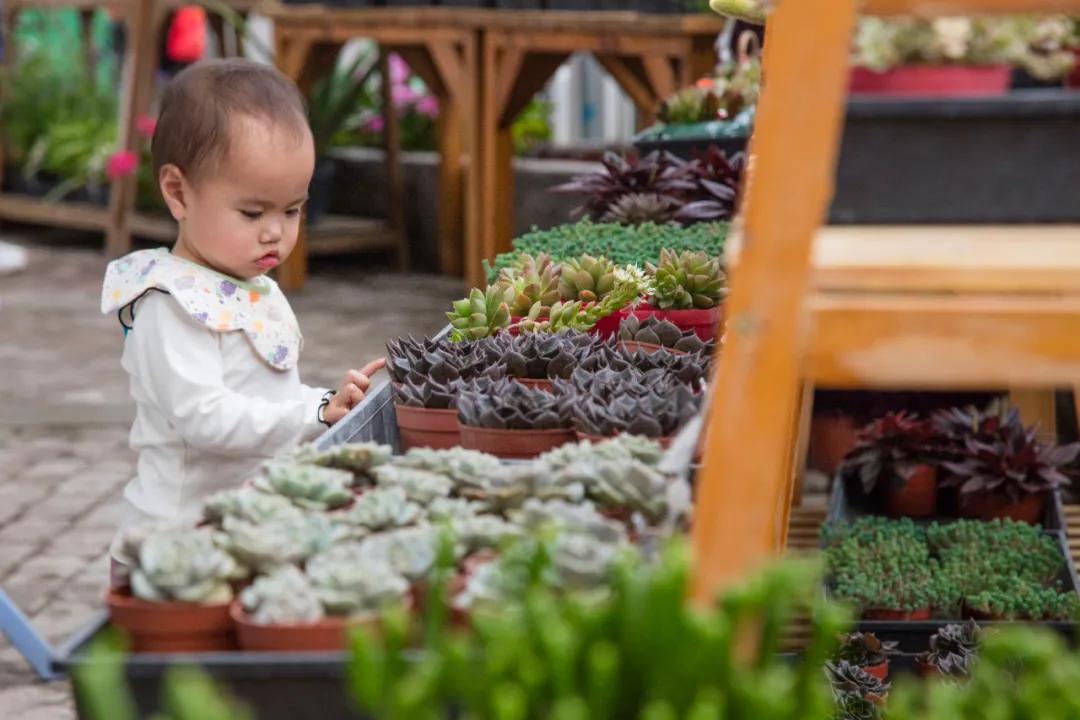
216	301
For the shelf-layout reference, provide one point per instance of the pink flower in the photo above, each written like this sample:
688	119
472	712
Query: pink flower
375	124
428	106
145	126
399	70
402	95
121	164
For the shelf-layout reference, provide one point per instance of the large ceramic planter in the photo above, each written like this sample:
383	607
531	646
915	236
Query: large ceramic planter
326	635
513	444
932	81
832	437
916	497
990	506
423	427
171	627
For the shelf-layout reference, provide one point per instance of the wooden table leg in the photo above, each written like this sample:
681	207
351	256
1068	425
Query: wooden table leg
137	87
487	164
395	181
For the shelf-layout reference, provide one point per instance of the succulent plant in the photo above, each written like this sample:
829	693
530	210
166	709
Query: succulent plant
409	551
580	562
540	356
864	649
560	317
687	281
638	208
441	360
429	393
184	566
308	486
459	465
624	245
852	679
249	504
888	451
515	484
530	281
718	178
283	541
621	447
690	105
284	597
586	278
654	174
480	315
620	485
1013	465
953	649
580	518
606	403
356	458
509	405
656	330
350	582
420	486
691	369
453	509
483	532
382	508
852	705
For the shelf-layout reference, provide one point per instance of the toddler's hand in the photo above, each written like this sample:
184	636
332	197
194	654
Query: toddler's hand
352	390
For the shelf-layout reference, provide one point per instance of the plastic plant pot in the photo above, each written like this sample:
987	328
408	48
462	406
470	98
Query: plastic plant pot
901	615
544	384
513	444
424	427
171	627
990	506
326	635
916	497
933	80
880	671
648	348
831	438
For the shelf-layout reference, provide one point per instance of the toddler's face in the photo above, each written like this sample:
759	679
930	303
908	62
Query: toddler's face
243	217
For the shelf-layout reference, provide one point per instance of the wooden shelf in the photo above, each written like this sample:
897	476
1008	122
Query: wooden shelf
66	214
152	227
335	234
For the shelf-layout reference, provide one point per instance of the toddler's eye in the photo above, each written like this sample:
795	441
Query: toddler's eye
251	214
293	212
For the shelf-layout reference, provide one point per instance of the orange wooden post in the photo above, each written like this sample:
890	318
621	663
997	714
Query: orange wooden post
744	490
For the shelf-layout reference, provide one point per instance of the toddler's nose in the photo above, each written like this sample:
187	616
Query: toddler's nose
271	232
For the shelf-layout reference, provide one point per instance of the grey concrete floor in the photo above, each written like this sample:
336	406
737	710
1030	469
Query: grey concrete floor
65	415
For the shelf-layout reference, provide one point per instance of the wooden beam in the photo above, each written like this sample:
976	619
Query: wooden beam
35	211
635	86
945	341
395	179
508	67
743	487
531	80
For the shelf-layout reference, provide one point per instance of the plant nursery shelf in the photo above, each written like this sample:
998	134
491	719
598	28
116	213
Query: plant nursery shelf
335	234
35	211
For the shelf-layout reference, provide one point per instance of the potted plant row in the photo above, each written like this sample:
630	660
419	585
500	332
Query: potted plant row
986	463
894	570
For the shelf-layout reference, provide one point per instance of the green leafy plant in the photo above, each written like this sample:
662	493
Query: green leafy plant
687	281
530	281
622	244
734	89
336	99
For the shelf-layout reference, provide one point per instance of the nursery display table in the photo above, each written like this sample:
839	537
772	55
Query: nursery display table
118	220
969	318
485	66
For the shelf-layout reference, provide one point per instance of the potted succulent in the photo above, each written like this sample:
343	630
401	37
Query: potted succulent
689	291
654	333
945	56
892	459
290	610
427	413
865	651
181	588
848	678
510	420
359	459
953	651
607	403
1011	474
309	487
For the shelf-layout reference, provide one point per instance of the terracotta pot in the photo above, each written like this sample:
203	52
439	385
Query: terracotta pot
513	444
901	615
171	627
925	669
536	383
326	635
421	427
703	322
880	671
933	80
649	348
831	438
990	506
915	498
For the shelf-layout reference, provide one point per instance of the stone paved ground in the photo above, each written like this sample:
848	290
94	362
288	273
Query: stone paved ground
65	414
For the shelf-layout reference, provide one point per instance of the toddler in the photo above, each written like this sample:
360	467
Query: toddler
211	344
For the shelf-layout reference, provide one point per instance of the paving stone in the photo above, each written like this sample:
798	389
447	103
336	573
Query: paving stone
34	699
14	554
29	529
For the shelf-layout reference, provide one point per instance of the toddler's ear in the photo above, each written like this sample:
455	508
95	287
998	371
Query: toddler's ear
173	188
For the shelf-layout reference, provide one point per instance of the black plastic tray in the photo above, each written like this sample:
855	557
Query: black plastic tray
912	635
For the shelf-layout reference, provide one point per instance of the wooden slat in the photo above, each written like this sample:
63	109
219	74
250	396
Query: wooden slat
153	227
339	234
75	215
927	258
944	341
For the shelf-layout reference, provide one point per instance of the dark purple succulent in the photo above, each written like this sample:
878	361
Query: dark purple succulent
888	451
606	403
953	649
717	179
658	174
508	405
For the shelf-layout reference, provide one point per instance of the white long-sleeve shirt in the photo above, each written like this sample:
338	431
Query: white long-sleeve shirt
208	410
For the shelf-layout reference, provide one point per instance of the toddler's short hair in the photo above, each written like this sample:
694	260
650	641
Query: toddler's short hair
199	103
